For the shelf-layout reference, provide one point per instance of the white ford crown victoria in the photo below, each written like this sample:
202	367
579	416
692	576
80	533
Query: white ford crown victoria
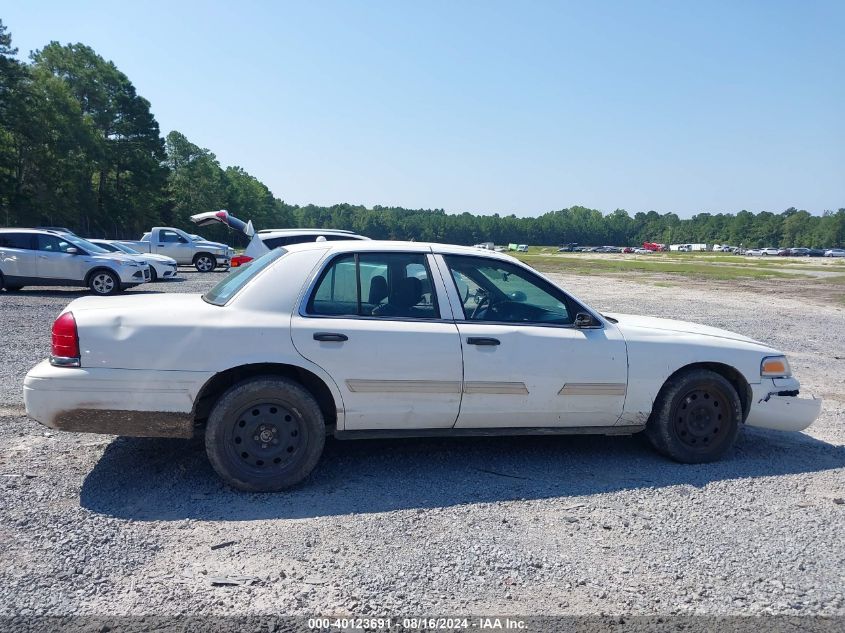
371	339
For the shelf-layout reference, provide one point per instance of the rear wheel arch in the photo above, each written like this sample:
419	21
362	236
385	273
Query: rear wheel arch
217	385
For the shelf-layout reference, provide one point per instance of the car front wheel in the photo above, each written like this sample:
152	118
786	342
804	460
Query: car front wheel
104	282
265	434
205	263
696	417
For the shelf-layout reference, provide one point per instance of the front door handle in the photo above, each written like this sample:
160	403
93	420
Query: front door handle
482	340
330	336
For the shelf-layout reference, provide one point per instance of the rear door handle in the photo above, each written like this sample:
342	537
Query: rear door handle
330	336
482	340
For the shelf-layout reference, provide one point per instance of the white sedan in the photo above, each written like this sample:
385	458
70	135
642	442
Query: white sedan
161	266
363	339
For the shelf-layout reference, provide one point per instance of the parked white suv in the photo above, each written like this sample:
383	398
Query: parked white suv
31	257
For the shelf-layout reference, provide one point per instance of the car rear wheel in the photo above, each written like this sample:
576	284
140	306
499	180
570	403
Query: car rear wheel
265	434
205	263
104	282
696	417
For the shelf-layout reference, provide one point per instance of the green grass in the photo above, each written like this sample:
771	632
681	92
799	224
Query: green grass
669	266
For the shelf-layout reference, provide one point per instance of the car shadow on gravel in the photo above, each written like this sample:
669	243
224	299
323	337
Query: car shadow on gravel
164	479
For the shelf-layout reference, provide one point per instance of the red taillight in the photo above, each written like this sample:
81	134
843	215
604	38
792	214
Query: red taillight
65	349
240	260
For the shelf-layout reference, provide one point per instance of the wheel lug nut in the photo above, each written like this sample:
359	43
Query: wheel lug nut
255	437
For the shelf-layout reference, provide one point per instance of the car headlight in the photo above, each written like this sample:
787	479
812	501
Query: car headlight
775	367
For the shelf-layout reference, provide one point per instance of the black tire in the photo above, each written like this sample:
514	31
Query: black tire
153	275
104	282
8	288
205	262
696	417
265	434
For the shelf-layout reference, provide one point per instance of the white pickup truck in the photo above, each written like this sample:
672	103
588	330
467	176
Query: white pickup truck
185	249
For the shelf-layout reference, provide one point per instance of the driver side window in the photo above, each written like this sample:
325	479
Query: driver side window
171	237
496	291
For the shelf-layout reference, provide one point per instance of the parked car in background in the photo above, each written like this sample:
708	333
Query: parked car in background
816	252
175	243
161	266
835	252
643	251
522	248
469	342
628	249
769	250
265	240
37	257
753	252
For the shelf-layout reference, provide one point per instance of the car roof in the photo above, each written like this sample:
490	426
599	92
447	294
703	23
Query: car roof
18	229
307	232
343	246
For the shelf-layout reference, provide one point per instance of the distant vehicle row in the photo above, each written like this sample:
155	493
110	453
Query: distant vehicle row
795	252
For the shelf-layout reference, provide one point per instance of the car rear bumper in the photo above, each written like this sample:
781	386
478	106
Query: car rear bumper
140	403
776	405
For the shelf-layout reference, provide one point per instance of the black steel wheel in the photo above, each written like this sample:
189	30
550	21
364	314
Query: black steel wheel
265	434
699	417
696	417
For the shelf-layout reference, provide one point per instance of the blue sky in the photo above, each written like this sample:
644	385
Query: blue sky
508	107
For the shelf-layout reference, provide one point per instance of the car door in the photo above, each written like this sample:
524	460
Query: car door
525	362
172	244
52	261
381	327
17	257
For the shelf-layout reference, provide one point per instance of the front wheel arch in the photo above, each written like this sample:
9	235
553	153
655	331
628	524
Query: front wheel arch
731	374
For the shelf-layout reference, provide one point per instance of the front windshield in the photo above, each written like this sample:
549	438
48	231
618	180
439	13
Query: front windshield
234	281
85	244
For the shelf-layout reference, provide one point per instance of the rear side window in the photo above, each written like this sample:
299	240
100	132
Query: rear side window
22	241
386	285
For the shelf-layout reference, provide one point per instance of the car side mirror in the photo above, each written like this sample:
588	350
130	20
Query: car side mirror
585	320
72	251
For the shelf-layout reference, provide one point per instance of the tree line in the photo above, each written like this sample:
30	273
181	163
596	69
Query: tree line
80	148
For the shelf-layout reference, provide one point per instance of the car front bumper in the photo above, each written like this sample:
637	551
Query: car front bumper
132	402
776	405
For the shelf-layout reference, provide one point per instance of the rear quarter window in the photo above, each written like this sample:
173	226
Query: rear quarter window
230	285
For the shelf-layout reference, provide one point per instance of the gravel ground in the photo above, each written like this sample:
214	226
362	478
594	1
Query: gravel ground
563	525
